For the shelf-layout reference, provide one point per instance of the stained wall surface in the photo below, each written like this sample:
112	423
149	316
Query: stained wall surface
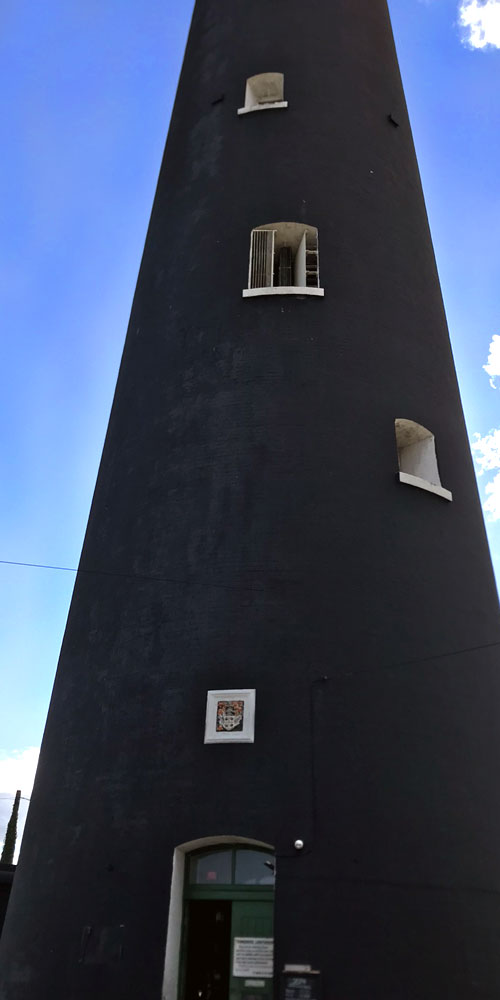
248	529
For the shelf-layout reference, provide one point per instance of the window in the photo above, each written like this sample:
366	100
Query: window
214	868
232	866
264	91
284	260
417	458
254	868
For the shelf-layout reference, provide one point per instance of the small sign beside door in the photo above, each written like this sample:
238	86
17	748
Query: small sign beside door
301	986
253	957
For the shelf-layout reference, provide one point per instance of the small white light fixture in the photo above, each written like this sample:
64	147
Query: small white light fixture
299	844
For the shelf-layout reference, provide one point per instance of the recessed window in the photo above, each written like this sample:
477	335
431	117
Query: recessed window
417	458
263	92
284	260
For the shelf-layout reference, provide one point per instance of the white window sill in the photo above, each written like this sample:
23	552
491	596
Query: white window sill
422	484
263	107
282	290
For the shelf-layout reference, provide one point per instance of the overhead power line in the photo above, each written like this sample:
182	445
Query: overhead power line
229	586
12	562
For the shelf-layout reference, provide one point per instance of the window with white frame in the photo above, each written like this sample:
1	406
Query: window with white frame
284	260
417	457
263	92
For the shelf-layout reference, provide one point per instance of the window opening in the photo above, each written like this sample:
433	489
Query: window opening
417	457
264	91
284	260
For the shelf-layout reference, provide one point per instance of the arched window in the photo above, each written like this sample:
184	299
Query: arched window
264	91
284	260
417	457
231	865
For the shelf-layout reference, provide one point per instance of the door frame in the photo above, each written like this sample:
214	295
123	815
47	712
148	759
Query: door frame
170	988
223	892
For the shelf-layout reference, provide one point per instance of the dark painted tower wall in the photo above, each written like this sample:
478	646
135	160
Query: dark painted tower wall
248	529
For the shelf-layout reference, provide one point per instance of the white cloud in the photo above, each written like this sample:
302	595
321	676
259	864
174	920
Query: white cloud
492	505
486	452
17	770
480	20
492	367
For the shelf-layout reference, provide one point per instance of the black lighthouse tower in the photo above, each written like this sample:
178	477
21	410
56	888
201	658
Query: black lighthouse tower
275	726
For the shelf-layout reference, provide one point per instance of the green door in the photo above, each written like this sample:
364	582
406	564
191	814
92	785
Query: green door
227	948
251	950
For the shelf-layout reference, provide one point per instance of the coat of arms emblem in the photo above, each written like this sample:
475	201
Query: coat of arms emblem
230	716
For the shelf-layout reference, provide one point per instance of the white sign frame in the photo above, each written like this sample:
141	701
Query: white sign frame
247	733
248	963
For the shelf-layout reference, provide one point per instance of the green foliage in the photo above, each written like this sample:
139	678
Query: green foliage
11	834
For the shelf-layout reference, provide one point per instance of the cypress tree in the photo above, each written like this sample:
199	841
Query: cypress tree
11	833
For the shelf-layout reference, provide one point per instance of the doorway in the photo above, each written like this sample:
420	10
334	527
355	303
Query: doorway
227	950
208	949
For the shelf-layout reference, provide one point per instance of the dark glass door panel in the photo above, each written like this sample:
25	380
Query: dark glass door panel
208	950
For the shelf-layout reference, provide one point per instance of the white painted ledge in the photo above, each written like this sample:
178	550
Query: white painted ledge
263	107
248	293
422	484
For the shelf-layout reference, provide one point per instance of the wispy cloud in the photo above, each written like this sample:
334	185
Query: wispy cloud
486	452
480	20
491	506
492	366
486	447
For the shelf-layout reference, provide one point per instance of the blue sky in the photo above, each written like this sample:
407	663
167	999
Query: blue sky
90	87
